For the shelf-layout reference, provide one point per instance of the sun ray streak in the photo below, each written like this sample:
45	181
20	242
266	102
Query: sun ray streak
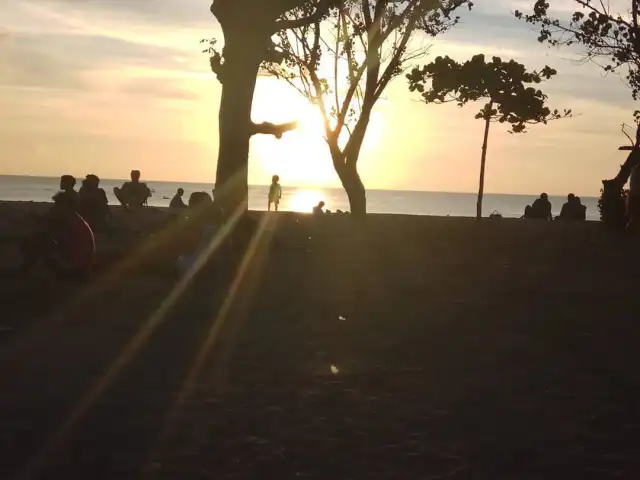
131	349
217	324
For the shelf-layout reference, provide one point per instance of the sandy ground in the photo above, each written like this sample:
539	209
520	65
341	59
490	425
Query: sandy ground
405	347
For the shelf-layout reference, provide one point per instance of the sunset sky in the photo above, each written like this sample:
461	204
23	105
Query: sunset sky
104	86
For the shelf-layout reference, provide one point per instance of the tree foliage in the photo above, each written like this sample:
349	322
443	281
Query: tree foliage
504	84
610	38
344	64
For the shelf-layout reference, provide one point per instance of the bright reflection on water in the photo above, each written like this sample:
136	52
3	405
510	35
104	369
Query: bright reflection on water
301	200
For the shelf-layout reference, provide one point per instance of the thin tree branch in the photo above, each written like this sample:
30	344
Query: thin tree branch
322	7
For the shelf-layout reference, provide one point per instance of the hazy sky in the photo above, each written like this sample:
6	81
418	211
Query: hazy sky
103	86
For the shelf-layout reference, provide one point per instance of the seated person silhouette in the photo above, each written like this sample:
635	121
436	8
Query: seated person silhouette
197	199
67	185
319	209
204	223
93	204
176	201
65	243
573	209
581	210
541	209
133	194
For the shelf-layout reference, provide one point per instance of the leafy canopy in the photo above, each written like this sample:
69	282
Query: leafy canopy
609	38
344	63
506	85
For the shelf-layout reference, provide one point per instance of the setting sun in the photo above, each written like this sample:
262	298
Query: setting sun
301	157
303	200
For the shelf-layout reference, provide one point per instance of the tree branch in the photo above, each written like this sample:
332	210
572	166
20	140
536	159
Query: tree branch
275	129
322	7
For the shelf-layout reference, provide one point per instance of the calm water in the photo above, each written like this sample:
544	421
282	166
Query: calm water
41	189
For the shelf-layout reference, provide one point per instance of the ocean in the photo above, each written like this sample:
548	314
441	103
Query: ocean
41	189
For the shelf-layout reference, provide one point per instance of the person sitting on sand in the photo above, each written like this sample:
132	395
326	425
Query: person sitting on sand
133	194
93	205
319	209
572	209
275	193
65	242
67	189
176	201
204	222
199	198
541	208
581	210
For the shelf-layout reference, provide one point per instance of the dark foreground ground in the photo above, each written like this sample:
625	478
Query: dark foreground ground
411	347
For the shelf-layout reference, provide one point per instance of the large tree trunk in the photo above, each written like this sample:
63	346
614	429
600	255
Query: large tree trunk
346	164
242	58
350	179
613	198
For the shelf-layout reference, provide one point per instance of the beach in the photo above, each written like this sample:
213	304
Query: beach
304	198
394	347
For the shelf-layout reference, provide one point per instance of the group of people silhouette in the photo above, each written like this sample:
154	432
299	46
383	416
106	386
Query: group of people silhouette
541	208
65	240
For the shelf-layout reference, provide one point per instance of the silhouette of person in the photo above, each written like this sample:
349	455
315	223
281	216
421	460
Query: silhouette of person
541	208
581	210
176	201
318	209
275	193
204	226
93	205
571	210
67	185
196	199
65	243
133	194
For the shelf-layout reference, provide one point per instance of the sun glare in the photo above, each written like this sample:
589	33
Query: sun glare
303	200
301	157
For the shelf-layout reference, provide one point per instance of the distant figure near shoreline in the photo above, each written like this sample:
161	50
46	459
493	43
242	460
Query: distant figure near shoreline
93	205
176	201
67	189
63	243
275	193
541	209
573	209
133	194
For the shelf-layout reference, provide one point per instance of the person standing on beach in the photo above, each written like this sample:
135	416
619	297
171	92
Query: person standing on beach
275	193
133	194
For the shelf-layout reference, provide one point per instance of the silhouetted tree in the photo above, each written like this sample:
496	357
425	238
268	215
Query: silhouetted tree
344	63
611	38
503	84
247	26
